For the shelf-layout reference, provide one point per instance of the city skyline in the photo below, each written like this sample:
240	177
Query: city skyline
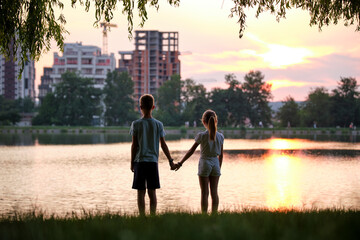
293	56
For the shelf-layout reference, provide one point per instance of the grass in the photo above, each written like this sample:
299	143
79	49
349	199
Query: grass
248	224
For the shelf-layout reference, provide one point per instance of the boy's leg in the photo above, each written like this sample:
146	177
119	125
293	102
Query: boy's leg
214	180
141	201
153	201
204	185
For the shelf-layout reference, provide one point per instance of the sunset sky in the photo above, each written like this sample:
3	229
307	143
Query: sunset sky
293	56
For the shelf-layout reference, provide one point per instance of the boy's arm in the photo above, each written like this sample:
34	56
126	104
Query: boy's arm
221	156
166	151
134	148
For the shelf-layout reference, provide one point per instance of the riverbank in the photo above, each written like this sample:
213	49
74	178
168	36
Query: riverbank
183	131
248	224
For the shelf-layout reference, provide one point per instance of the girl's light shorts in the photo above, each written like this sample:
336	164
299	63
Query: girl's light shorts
209	167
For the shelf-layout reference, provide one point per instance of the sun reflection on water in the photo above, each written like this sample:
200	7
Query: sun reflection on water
283	171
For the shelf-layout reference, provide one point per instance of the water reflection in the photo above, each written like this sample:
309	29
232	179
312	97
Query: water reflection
283	175
270	173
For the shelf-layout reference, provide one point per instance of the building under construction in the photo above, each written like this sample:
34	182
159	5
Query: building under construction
154	60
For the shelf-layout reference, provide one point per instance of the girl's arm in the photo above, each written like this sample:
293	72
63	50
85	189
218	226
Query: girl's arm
221	156
134	147
188	154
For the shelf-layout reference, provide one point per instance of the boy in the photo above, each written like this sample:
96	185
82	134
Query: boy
146	133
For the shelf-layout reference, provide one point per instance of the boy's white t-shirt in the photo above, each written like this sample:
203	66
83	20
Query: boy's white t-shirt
208	148
148	132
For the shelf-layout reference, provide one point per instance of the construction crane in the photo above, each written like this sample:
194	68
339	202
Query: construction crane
106	26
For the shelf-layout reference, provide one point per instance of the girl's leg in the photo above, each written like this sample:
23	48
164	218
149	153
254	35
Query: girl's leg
204	185
141	201
153	201
214	192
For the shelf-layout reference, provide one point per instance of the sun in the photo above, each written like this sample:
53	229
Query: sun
280	56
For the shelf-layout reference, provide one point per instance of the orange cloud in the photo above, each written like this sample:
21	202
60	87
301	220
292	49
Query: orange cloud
281	83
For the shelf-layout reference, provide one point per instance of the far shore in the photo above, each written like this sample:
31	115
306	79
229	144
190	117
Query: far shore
181	130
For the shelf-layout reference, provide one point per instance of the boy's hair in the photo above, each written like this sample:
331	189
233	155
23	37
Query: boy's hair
209	117
146	102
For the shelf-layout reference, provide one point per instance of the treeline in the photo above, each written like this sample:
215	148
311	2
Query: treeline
340	107
11	110
76	102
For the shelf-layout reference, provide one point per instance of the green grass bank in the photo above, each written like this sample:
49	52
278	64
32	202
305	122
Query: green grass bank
248	224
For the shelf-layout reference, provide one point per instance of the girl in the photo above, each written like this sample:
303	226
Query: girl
211	156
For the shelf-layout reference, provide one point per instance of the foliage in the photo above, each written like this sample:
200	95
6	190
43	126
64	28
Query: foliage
230	104
33	23
168	107
345	103
194	100
118	92
9	113
327	224
47	114
321	12
289	113
258	95
73	103
25	105
317	109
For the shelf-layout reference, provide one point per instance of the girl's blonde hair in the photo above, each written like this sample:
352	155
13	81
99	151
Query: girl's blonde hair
209	117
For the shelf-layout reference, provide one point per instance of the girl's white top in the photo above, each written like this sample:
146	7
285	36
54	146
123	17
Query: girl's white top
209	149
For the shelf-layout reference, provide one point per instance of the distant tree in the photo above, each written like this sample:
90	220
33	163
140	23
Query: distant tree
289	112
317	108
169	102
258	95
47	114
25	105
33	24
219	102
9	113
230	104
345	106
120	105
78	100
194	100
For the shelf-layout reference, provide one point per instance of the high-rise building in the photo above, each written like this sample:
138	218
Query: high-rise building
11	86
87	61
154	60
46	81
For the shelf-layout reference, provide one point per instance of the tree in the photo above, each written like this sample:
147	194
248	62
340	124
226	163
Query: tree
230	104
194	100
47	112
317	108
289	113
33	24
345	108
78	100
118	91
9	113
321	12
169	103
258	95
25	105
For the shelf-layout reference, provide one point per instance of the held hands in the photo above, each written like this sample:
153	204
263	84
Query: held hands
174	166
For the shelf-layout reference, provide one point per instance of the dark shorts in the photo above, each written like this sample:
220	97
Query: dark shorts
146	175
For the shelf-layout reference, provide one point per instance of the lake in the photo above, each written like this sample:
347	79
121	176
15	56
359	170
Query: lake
63	176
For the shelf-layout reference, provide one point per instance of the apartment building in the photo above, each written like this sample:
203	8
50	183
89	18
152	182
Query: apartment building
13	87
154	60
85	60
